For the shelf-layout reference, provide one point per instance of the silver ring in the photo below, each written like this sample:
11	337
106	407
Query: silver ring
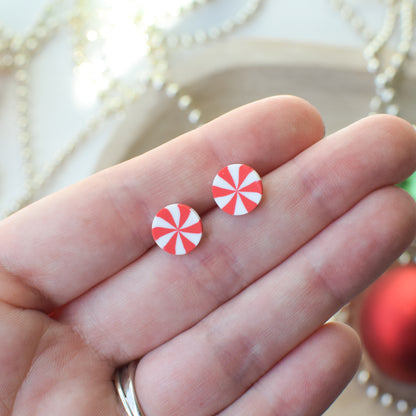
124	382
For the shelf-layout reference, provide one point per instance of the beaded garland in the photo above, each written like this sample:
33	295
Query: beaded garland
84	19
390	393
397	13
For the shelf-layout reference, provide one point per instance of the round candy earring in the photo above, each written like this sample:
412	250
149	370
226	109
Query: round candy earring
177	229
237	189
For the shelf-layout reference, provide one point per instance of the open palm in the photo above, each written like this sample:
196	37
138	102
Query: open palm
237	326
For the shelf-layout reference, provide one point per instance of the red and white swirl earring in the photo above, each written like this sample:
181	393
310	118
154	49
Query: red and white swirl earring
237	189
177	229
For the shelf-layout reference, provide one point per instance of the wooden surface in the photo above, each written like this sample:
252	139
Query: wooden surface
223	76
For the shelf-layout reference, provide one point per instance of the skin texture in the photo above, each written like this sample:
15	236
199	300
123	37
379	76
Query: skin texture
236	327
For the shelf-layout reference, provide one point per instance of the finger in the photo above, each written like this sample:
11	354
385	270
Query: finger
46	369
217	360
95	228
301	198
307	380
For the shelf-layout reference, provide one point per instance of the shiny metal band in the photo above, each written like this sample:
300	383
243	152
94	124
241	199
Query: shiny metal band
124	382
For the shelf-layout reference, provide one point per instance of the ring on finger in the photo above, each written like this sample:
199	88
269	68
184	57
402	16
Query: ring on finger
124	383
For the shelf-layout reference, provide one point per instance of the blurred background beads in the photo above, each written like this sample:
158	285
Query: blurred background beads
119	50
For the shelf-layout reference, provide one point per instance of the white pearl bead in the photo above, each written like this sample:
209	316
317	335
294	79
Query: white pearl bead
405	259
402	406
157	40
158	81
372	391
346	12
387	95
397	60
26	155
373	65
20	59
228	26
386	400
375	104
390	73
393	109
52	24
241	17
363	377
32	43
25	138
380	81
194	116
172	89
16	44
369	52
214	33
184	102
6	61
21	75
40	32
71	146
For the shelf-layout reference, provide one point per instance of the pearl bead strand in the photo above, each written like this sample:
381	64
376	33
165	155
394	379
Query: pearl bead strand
160	43
214	33
351	17
375	392
16	54
17	50
384	79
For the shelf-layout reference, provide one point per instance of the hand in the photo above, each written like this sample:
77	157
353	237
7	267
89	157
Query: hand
237	326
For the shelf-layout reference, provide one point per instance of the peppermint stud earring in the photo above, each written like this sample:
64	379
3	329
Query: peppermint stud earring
177	229
237	189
